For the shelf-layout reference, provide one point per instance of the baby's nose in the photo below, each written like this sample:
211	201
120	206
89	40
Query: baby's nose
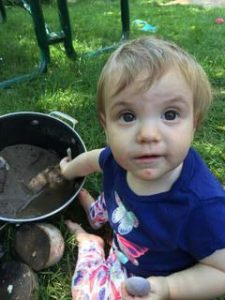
148	132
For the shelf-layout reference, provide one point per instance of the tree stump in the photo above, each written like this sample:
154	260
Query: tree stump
39	245
17	282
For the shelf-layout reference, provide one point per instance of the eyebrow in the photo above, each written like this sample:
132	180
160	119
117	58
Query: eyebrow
122	104
178	100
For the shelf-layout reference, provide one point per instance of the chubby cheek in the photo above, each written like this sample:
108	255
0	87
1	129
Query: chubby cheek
116	142
180	140
179	151
178	146
119	153
120	157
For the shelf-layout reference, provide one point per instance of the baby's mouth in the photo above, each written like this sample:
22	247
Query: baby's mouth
147	158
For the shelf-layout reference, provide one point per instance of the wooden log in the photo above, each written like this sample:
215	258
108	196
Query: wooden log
18	282
39	245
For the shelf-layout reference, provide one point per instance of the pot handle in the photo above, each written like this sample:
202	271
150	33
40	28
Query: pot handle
64	116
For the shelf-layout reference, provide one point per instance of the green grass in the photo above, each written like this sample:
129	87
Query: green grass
69	86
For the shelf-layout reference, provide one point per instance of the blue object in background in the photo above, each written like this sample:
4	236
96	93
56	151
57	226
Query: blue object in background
144	26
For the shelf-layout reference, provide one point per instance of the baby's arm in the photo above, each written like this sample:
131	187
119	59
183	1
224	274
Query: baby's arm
82	165
95	209
205	280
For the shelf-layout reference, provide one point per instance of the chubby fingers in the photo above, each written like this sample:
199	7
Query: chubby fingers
63	162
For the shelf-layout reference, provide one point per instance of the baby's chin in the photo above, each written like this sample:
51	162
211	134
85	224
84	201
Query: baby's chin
147	174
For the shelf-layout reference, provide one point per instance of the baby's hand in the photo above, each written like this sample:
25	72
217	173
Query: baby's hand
63	163
159	290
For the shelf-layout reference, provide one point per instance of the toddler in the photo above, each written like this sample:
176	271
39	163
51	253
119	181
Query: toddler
165	207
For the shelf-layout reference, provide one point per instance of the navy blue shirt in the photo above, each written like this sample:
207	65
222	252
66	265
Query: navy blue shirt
166	232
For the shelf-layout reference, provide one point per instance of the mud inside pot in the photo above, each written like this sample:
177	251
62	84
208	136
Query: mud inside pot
26	161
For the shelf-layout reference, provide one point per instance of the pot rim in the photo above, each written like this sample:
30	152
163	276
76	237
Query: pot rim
67	202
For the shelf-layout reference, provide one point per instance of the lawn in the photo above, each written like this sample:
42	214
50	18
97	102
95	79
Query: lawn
69	86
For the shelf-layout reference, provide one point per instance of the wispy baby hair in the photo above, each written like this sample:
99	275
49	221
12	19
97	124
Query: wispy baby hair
154	57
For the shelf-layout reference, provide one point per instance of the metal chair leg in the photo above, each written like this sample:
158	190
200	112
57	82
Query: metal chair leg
2	12
125	19
40	31
125	22
44	37
65	25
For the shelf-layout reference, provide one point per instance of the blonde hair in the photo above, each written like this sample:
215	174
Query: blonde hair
154	57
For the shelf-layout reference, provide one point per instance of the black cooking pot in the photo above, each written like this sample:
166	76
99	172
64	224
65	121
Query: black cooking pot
49	132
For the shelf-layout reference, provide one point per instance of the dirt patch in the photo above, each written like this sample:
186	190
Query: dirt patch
25	162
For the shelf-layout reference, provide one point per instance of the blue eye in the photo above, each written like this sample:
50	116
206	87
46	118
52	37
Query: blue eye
128	117
170	115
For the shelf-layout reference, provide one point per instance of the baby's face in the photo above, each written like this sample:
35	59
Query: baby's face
151	132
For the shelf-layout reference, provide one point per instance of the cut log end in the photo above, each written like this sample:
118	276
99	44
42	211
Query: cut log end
39	245
18	282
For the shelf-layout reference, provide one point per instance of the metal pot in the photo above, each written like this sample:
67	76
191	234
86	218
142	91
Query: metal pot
49	132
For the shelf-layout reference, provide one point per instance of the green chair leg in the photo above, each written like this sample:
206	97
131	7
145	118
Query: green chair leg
66	28
2	12
44	37
40	31
17	79
125	19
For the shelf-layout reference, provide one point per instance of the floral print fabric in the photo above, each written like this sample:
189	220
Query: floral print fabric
95	277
